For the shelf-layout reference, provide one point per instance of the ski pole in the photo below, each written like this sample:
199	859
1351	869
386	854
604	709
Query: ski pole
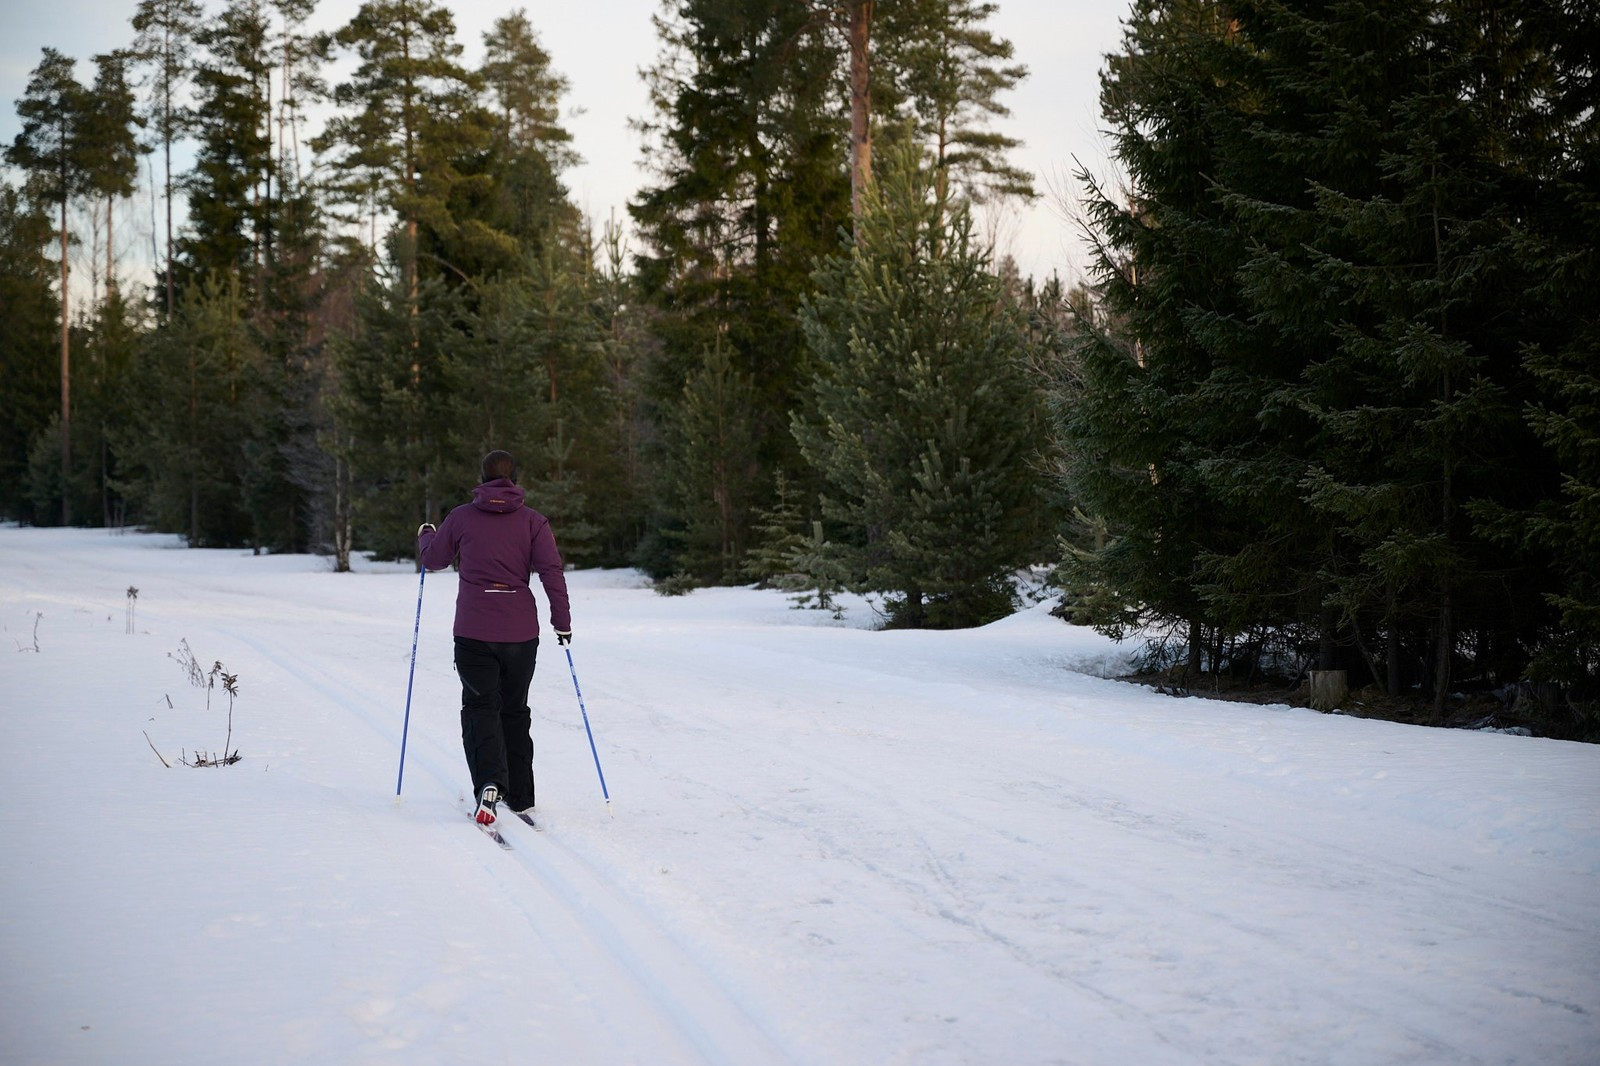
410	678
603	791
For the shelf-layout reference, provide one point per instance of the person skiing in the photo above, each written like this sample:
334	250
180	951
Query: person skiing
500	542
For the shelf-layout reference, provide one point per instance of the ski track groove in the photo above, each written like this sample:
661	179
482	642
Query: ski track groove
960	910
706	1022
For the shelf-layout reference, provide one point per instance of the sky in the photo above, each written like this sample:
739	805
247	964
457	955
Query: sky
601	45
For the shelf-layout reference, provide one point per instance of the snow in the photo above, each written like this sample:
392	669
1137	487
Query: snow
828	844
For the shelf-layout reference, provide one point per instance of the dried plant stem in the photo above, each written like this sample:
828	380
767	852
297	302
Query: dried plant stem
152	744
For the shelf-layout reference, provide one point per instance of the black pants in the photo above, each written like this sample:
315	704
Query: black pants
495	720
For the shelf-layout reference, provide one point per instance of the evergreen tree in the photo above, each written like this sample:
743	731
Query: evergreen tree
1130	426
1416	404
525	374
530	147
526	90
710	445
29	386
229	210
189	407
394	410
165	39
922	419
1544	94
109	348
301	55
51	149
942	65
111	146
1305	415
409	82
746	144
619	503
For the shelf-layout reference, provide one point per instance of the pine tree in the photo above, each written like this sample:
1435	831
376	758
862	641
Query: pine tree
111	146
527	91
409	83
51	149
301	56
921	421
530	147
939	62
165	39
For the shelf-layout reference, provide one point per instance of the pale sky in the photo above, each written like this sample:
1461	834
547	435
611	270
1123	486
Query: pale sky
600	47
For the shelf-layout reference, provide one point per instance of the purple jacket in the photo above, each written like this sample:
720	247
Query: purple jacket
500	543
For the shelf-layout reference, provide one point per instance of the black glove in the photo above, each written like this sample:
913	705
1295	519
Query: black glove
563	637
428	527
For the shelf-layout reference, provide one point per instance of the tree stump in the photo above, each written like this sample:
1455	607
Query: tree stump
1329	688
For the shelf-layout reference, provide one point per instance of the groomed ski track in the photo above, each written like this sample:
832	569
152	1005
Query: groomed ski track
652	1000
829	846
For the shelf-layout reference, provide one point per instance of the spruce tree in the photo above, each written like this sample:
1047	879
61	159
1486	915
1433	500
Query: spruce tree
710	446
618	502
229	218
395	410
1164	256
1305	415
1418	407
188	410
921	423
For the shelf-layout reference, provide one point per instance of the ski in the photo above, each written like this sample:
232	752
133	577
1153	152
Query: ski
490	831
528	819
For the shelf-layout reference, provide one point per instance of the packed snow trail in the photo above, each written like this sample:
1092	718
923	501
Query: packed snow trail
642	985
830	845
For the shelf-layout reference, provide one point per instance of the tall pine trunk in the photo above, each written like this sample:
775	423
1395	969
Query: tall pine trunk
168	147
66	379
860	102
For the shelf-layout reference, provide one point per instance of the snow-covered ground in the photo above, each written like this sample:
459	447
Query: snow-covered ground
828	844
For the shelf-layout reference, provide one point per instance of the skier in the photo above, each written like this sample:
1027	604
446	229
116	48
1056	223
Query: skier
500	542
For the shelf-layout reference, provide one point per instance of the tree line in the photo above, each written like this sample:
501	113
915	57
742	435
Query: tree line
1328	395
1341	382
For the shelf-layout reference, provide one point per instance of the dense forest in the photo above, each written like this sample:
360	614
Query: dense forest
1329	398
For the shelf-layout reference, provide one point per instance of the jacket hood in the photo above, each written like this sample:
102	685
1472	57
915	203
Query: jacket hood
499	496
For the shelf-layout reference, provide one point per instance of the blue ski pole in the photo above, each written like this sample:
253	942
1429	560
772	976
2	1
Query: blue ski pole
410	678
603	791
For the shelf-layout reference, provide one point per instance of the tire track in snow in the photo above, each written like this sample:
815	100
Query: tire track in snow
610	935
